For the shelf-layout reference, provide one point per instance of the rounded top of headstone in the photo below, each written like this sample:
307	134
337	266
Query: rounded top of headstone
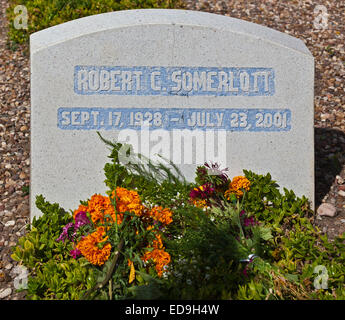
129	18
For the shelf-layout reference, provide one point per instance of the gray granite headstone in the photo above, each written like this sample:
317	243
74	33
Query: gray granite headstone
190	86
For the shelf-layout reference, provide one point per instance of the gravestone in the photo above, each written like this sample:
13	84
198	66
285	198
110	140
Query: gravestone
190	86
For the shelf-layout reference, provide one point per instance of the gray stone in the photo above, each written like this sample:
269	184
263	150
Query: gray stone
341	193
326	209
4	293
9	266
10	223
244	92
339	179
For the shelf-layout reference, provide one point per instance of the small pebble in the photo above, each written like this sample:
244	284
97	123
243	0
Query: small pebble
5	293
9	266
341	193
7	213
326	209
10	223
22	175
339	179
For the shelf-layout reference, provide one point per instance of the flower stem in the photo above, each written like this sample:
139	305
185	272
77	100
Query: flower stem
110	272
239	220
110	289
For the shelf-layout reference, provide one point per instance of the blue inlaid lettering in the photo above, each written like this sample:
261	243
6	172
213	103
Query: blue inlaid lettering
170	81
229	119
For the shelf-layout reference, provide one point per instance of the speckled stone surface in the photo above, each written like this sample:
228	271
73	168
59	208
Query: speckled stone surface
67	162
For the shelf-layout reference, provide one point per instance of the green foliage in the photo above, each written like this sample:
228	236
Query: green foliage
47	13
266	202
39	245
53	273
157	184
60	280
149	179
296	248
210	260
25	190
262	246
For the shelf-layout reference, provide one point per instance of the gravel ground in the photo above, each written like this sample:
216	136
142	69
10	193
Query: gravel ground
293	17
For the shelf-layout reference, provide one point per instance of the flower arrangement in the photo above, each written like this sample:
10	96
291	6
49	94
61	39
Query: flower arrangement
155	235
101	213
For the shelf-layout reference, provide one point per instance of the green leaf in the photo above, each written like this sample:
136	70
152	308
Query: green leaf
292	277
28	245
15	257
265	233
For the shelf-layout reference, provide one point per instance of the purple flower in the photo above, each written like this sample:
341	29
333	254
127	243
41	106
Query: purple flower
64	233
80	220
246	268
75	253
249	222
214	169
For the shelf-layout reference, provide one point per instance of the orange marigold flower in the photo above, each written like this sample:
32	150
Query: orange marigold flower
200	203
99	206
160	257
158	243
128	200
92	248
162	215
236	185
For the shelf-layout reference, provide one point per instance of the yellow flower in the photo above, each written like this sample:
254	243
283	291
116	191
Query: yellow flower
200	203
132	271
236	185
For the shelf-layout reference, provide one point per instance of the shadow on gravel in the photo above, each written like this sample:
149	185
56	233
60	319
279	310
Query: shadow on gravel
329	160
